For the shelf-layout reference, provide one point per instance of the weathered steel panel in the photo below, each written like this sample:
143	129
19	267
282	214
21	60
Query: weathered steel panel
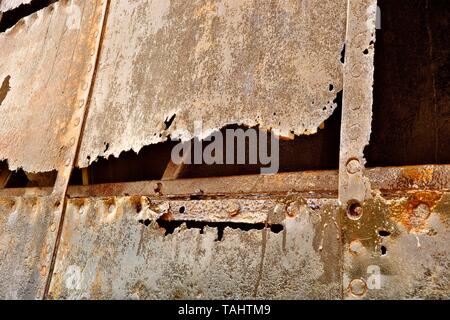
45	59
28	230
6	5
106	253
276	64
399	248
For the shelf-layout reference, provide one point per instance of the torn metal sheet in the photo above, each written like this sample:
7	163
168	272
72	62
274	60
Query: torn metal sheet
357	100
273	64
105	252
6	5
45	64
28	231
399	249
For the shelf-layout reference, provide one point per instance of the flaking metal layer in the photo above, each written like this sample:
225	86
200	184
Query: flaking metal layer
273	64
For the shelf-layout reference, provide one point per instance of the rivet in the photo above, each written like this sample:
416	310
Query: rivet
68	161
81	103
353	166
292	209
52	227
76	122
92	52
233	209
72	141
355	247
354	132
85	86
358	287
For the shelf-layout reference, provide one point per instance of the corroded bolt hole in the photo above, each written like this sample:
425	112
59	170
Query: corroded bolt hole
354	210
358	287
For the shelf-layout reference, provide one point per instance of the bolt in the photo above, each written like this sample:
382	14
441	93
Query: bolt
353	166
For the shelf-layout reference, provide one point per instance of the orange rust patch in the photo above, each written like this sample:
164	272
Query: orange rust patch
413	212
418	175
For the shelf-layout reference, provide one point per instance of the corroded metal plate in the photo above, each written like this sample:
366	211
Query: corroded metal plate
106	253
28	231
273	64
45	59
400	248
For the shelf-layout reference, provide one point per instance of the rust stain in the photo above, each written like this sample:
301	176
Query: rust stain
414	212
418	175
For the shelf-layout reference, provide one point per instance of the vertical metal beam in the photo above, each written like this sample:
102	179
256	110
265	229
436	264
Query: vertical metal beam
354	187
74	130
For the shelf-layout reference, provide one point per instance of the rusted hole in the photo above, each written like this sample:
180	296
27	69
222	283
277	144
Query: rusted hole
170	226
384	233
4	89
138	207
168	122
343	54
106	147
145	222
383	250
10	18
330	87
354	210
366	52
182	209
158	187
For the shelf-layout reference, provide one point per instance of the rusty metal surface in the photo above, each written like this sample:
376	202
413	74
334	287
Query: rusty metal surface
357	100
27	235
44	65
106	253
221	62
405	241
6	5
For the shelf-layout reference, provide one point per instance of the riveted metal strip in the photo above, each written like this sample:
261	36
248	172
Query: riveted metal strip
357	100
72	133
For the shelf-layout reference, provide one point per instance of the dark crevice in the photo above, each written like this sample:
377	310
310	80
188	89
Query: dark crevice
384	233
10	18
168	122
171	226
21	179
343	54
411	108
319	151
4	89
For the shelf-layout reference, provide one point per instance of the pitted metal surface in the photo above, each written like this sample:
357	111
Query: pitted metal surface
106	253
399	248
28	230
